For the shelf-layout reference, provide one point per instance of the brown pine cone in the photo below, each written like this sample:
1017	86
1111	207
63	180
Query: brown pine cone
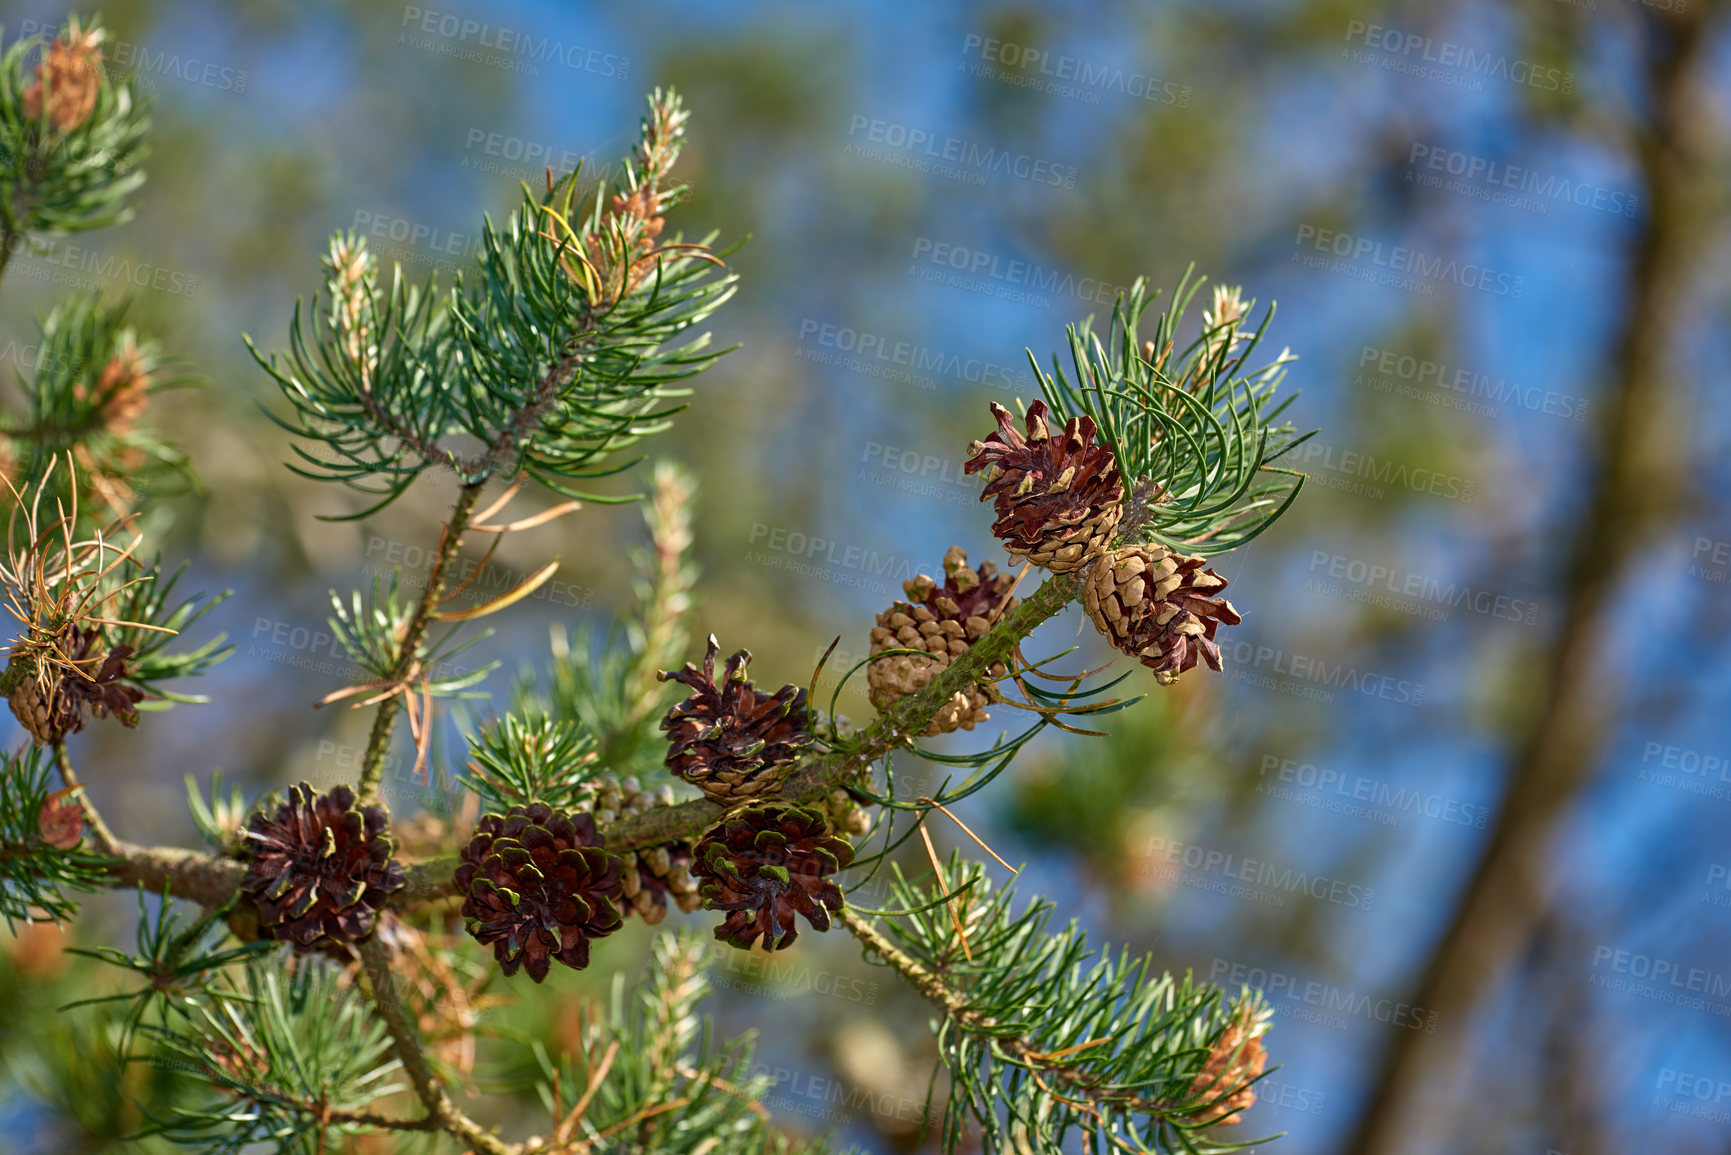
764	865
730	740
944	621
52	710
1159	607
1059	498
39	711
537	887
320	868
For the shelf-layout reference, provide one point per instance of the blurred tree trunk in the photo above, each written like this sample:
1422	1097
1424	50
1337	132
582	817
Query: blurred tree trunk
1642	441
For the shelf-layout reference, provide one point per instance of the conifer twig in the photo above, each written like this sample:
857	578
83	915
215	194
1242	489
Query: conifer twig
381	988
104	836
953	1001
379	741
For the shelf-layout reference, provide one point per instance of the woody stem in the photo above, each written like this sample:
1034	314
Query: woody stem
105	840
381	987
373	762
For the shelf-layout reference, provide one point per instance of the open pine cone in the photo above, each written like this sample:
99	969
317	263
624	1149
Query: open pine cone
319	868
1159	607
764	865
944	621
52	711
730	740
536	887
1059	498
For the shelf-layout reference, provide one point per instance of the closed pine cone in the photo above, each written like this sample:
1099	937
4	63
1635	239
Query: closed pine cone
1160	607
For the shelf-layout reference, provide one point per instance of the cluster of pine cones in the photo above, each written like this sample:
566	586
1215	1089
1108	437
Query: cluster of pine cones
538	884
766	861
1059	499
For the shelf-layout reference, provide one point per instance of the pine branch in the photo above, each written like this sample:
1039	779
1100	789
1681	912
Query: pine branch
814	776
212	880
72	141
379	741
441	1112
1195	433
104	836
649	1076
41	861
286	1058
1040	1041
556	353
92	379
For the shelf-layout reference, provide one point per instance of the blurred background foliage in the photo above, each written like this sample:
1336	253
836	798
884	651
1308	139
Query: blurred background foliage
279	123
